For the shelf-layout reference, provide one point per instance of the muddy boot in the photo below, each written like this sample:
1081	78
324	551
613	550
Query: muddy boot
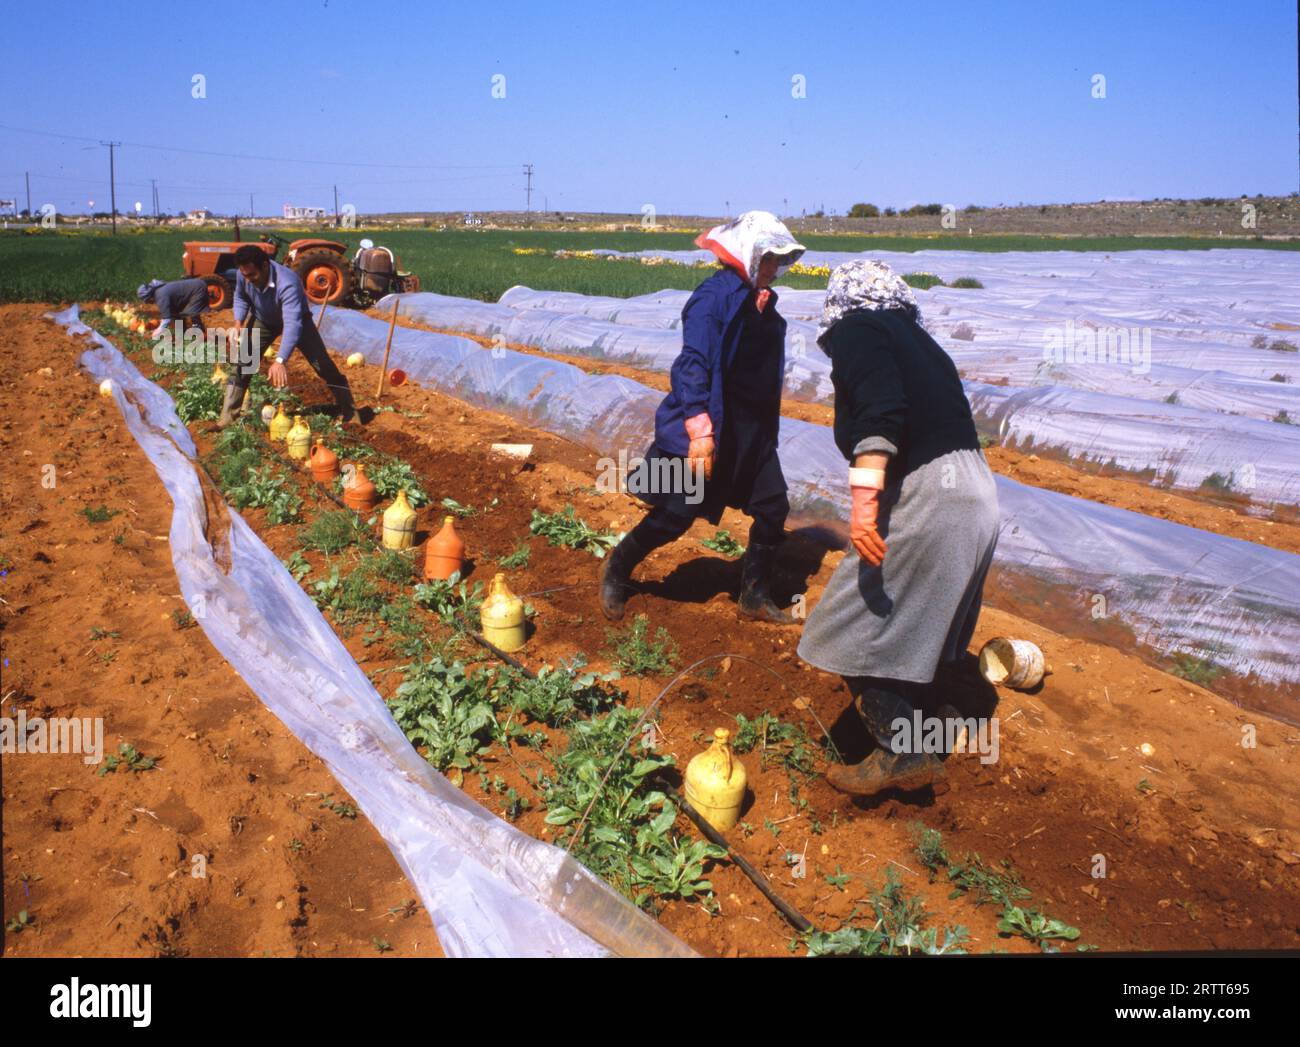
615	575
231	406
755	601
880	703
885	769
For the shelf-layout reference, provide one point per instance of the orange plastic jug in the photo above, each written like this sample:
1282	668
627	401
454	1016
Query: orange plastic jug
360	495
444	553
324	464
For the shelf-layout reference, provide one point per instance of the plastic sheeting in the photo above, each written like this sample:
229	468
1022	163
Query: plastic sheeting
1174	588
490	889
573	325
1181	446
1088	331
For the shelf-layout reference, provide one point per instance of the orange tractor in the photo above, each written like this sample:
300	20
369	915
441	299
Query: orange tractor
326	272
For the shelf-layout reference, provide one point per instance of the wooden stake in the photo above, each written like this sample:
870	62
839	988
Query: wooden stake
392	324
322	313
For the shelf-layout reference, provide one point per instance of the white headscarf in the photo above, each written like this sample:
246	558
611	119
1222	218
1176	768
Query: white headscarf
863	284
742	242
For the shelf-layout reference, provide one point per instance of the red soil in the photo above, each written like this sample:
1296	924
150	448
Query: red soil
1203	856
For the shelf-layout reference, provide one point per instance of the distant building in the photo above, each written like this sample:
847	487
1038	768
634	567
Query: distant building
201	215
308	214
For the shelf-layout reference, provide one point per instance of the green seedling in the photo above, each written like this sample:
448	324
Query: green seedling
21	922
267	488
786	744
446	712
297	565
332	532
451	599
636	654
198	398
453	506
567	529
129	758
394	476
1037	927
340	807
559	695
723	543
840	879
99	513
517	559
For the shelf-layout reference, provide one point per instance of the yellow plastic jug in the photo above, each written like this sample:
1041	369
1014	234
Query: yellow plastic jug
280	424
715	782
399	523
298	439
502	615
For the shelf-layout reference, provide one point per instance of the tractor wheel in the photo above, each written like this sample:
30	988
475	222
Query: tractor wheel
220	294
325	275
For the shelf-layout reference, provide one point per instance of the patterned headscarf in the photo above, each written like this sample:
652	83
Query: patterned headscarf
863	284
147	291
742	242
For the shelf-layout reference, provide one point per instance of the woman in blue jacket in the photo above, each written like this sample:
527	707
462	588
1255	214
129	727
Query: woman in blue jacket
721	417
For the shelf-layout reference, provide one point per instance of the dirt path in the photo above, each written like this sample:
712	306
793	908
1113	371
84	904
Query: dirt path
1232	519
1198	850
89	628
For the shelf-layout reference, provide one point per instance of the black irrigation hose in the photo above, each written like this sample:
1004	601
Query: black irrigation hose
799	922
759	881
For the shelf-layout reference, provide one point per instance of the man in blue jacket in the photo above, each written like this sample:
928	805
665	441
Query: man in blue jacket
716	430
184	300
280	309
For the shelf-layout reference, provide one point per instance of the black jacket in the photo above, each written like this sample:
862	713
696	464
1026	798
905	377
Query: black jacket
893	381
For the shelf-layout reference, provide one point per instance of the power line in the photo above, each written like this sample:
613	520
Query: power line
265	159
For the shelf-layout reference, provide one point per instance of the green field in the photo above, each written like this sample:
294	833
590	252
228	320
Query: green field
63	266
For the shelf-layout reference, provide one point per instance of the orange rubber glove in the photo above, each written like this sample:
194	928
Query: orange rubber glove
865	515
700	431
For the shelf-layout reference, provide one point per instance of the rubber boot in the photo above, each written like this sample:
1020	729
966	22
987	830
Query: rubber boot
755	601
616	574
231	405
884	768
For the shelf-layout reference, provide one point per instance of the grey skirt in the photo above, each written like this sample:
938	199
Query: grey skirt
920	606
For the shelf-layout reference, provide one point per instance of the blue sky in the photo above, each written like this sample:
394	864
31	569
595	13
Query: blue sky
687	107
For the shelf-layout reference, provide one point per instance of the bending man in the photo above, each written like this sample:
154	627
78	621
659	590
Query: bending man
280	308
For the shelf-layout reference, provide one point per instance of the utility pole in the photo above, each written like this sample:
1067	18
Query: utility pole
28	176
528	192
154	182
251	212
336	207
112	181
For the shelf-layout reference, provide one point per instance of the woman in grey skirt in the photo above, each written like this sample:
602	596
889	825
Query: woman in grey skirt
924	520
